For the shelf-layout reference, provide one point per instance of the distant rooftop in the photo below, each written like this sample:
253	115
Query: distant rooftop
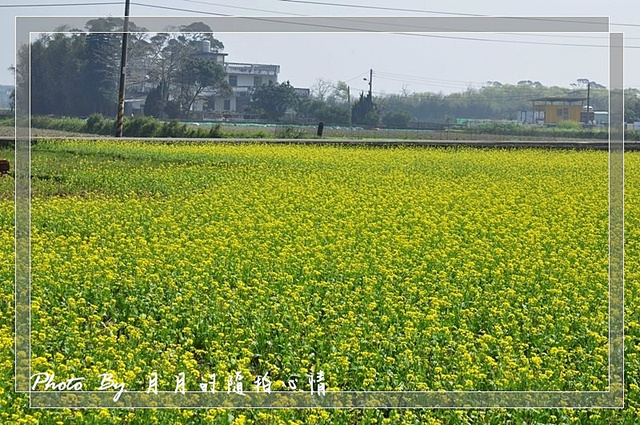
251	68
559	99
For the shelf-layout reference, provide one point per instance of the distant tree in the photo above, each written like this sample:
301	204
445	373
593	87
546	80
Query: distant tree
529	83
339	94
56	70
272	100
631	105
102	56
365	111
76	72
584	83
23	57
12	96
397	119
492	101
196	32
329	113
173	67
172	109
198	75
154	105
321	89
101	71
12	100
334	115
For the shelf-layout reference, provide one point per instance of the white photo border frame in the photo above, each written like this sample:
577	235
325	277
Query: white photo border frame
612	398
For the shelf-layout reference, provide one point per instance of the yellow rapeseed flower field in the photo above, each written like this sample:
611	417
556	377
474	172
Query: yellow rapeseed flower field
386	269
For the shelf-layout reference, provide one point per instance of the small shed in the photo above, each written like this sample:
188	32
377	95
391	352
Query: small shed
552	110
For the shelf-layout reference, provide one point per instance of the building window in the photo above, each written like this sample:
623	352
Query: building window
227	104
563	114
257	81
233	80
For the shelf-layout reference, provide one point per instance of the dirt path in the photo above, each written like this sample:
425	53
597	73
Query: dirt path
36	132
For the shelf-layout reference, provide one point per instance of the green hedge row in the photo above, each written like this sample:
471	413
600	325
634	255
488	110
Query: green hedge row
151	127
132	127
568	130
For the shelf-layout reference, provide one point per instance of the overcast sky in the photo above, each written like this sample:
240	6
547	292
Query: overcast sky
413	63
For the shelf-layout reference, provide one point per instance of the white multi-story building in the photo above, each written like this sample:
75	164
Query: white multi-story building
243	78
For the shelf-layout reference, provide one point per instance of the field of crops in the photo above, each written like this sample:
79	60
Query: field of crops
385	269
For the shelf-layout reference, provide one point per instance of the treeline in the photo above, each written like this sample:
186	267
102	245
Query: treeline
494	101
75	72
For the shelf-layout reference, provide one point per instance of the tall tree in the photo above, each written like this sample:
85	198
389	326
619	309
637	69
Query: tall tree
198	75
365	111
155	104
631	105
102	62
321	88
172	70
101	72
76	72
12	96
272	100
340	94
56	68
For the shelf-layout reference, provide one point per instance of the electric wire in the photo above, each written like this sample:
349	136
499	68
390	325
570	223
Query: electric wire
421	82
181	9
355	19
102	3
399	9
241	7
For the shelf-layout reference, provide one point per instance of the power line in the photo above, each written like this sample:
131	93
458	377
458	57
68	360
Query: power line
398	33
545	43
410	34
399	9
102	3
318	3
360	6
357	76
241	7
412	78
180	9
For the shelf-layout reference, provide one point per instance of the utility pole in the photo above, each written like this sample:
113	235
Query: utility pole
370	83
123	69
349	104
588	102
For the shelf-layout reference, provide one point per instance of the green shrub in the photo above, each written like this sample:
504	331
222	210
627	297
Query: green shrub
173	129
97	124
141	127
7	122
63	124
632	135
215	132
569	125
290	133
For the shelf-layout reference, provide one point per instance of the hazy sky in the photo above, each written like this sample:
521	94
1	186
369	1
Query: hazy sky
413	63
